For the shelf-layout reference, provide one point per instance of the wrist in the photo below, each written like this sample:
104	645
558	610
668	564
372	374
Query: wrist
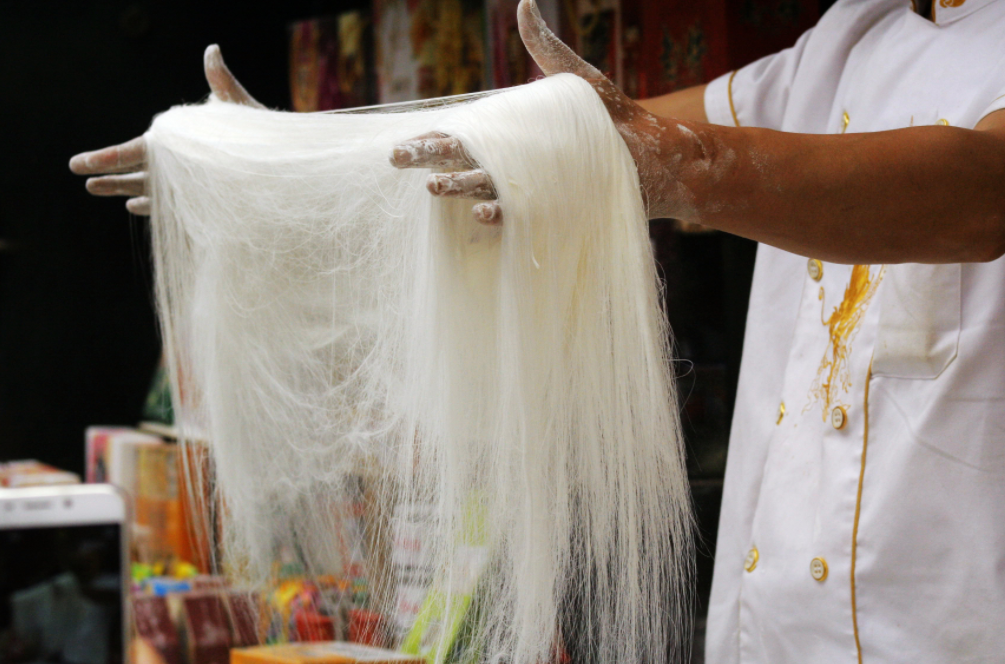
677	163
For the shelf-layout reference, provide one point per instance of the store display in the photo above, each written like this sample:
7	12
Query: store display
594	28
672	44
510	63
96	452
331	62
429	48
150	470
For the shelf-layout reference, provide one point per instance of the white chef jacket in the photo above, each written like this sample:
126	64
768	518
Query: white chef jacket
863	514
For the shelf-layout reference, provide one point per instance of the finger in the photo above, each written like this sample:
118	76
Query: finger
131	184
139	206
489	214
122	158
548	51
466	184
434	150
223	83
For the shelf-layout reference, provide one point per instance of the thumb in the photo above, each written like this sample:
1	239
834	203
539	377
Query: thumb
548	51
221	82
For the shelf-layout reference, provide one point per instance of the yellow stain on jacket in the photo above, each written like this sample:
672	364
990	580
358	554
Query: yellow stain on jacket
833	377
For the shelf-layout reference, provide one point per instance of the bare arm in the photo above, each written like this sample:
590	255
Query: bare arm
923	194
687	104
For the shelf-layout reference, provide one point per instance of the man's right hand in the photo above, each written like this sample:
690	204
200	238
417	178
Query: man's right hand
662	147
120	169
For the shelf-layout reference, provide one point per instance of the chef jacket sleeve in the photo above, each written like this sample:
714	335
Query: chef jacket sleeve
996	105
756	95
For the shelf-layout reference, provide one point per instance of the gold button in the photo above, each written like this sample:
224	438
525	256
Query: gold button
944	122
751	562
839	417
781	413
818	569
815	268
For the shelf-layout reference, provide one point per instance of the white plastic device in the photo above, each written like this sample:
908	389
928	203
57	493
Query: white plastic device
64	551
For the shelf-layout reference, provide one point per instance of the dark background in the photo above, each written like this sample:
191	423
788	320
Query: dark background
78	339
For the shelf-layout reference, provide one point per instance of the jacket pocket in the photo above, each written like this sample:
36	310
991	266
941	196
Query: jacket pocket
919	321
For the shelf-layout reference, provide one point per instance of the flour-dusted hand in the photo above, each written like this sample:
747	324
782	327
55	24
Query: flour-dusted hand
120	169
659	146
437	150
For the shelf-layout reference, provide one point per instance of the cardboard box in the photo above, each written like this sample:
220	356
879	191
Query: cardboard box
333	652
153	625
207	630
30	472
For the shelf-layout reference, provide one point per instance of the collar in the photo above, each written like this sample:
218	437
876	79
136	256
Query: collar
945	12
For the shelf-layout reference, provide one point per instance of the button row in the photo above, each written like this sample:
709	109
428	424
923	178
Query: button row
839	416
818	566
815	268
818	569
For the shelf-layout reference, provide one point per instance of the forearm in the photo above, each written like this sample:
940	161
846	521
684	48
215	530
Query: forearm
687	104
923	194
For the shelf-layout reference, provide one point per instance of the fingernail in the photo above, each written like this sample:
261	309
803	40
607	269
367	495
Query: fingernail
486	213
401	156
438	183
139	206
210	55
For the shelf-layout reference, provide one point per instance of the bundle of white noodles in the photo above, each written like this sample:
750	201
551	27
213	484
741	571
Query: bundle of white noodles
329	326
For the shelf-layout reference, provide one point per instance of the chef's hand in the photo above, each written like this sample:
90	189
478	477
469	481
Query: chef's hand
121	168
658	145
